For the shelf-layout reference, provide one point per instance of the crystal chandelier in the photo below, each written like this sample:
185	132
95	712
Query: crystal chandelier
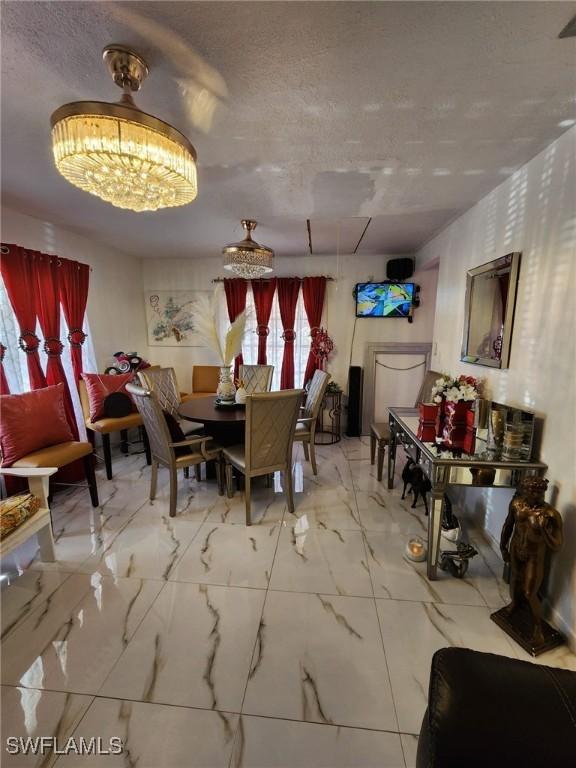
119	153
248	259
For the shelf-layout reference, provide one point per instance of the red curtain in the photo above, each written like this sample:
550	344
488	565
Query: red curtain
263	291
235	289
313	293
18	273
74	281
48	307
4	388
288	288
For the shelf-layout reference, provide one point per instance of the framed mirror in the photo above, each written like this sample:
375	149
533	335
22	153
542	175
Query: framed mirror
489	311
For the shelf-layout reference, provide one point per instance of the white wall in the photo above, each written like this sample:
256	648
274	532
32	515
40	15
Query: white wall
339	312
115	305
534	212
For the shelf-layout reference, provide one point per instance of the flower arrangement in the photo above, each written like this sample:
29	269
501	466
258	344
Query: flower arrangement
455	390
207	327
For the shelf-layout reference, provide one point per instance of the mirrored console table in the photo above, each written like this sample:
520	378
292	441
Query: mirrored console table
444	468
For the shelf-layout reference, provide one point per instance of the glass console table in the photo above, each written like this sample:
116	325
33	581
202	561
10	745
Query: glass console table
444	468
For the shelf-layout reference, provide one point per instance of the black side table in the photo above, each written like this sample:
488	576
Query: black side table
328	425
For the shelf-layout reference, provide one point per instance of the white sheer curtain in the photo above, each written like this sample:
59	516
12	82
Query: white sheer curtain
15	366
275	346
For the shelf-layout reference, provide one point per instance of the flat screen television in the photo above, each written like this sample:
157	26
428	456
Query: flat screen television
384	299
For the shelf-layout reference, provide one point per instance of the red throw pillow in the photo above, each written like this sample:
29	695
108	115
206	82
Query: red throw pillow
100	385
32	421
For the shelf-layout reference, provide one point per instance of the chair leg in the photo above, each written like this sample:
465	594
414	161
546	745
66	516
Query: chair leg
288	482
269	480
153	480
173	491
198	472
381	449
229	491
186	472
107	455
124	441
313	457
146	447
91	479
306	451
372	448
219	479
248	498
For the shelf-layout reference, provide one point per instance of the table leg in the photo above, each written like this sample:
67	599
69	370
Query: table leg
391	457
434	531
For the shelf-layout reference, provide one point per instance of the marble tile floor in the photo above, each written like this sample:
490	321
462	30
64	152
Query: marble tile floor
303	641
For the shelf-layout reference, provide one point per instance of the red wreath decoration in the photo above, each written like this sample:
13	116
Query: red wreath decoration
322	346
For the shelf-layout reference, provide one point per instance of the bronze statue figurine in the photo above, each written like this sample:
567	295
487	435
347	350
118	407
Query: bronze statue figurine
531	529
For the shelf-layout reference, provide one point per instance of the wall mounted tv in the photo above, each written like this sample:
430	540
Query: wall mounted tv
384	299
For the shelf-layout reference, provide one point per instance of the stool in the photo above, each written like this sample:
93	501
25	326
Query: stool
379	433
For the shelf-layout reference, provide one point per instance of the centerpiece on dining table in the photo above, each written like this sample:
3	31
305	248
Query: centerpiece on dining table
449	419
226	345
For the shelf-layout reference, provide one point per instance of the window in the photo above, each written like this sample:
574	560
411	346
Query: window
275	346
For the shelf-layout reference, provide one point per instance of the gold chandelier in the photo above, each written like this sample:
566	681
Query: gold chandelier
119	153
247	258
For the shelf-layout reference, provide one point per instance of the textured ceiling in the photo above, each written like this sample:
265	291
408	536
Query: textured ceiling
405	112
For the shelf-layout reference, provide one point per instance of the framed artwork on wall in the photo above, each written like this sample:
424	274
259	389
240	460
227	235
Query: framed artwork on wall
170	318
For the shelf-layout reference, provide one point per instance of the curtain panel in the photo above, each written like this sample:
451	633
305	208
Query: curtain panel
263	292
235	289
74	282
313	293
288	288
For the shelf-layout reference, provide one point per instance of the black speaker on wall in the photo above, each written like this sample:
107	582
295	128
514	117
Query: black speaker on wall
354	424
400	269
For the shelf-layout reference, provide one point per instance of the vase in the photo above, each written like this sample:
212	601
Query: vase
226	390
241	395
455	423
427	417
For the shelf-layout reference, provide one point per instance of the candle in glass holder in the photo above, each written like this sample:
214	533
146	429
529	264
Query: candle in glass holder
416	549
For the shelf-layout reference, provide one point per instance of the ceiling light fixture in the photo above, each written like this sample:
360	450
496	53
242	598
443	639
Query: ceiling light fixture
247	258
119	153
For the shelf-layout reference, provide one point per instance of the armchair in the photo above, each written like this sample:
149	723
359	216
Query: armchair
40	522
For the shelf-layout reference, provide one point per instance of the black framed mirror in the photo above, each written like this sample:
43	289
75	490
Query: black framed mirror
489	311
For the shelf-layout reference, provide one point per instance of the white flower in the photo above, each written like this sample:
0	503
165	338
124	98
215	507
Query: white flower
437	399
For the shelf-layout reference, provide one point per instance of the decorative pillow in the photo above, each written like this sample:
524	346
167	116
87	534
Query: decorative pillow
100	385
16	510
176	434
32	421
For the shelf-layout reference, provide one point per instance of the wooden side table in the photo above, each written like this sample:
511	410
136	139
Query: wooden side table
328	429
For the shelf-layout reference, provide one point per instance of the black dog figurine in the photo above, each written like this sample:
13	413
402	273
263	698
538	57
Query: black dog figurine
414	477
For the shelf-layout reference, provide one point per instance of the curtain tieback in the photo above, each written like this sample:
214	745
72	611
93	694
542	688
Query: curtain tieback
2	352
28	342
289	336
314	331
53	346
76	337
262	330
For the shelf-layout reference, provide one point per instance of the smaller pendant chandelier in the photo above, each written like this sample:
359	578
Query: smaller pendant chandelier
120	154
248	259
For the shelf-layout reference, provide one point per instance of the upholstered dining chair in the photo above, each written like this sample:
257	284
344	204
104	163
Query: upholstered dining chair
256	378
205	380
270	424
380	431
162	381
166	452
306	425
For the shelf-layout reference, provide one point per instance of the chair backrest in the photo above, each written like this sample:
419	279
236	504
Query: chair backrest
270	424
84	400
425	393
162	381
205	378
154	423
316	394
256	378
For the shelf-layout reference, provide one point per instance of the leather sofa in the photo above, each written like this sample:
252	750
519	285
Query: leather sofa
487	711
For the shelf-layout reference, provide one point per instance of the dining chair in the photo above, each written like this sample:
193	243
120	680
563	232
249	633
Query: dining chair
270	424
166	452
306	424
256	378
163	383
205	379
380	431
